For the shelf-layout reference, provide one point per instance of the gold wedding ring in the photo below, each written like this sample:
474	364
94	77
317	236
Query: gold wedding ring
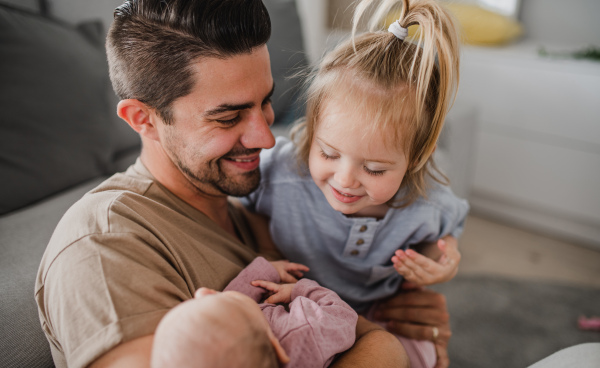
436	332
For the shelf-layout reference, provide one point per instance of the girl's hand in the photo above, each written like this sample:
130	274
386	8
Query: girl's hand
289	272
280	293
422	271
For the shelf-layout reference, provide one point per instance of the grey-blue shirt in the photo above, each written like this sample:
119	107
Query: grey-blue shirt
350	255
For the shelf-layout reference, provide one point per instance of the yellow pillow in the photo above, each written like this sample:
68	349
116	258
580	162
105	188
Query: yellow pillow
478	26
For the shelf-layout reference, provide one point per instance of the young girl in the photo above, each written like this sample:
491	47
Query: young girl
357	189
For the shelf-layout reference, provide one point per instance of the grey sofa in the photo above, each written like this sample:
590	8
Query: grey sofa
60	138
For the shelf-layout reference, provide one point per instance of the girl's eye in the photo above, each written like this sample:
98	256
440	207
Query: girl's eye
233	121
374	172
326	156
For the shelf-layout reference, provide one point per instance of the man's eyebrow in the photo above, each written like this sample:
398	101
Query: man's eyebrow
235	107
228	107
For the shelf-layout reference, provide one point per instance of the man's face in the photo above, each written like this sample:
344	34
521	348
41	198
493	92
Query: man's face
219	129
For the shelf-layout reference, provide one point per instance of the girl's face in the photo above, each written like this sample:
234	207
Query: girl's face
357	172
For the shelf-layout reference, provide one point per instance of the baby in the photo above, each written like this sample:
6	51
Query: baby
229	329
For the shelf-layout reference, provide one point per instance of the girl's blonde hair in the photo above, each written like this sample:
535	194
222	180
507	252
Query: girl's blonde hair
404	88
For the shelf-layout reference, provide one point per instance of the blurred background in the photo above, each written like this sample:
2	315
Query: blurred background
533	157
522	144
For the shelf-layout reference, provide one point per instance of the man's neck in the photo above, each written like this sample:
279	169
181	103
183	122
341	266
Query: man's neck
167	174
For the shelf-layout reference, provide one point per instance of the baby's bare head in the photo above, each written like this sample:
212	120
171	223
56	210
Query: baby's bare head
214	330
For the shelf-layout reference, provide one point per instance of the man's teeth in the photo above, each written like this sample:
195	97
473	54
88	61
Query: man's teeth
240	159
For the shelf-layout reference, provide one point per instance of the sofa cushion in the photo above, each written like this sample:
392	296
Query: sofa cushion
57	128
32	5
24	235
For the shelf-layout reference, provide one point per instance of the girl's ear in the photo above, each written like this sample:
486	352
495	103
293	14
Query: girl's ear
139	116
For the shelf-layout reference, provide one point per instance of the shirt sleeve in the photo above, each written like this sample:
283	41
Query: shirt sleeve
95	297
453	214
319	324
259	269
441	214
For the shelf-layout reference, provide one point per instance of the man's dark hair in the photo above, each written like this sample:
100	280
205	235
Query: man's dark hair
152	44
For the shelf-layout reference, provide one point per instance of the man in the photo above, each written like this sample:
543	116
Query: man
195	82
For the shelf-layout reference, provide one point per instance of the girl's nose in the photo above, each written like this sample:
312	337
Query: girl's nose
346	179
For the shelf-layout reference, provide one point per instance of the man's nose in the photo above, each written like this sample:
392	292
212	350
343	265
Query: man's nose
258	133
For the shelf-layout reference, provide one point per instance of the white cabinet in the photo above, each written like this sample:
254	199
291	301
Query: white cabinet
538	145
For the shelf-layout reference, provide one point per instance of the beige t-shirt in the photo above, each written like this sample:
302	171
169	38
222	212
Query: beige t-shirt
121	257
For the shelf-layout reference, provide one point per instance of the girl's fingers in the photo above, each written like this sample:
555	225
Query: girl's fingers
287	278
297	267
274	299
266	285
420	265
420	259
442	245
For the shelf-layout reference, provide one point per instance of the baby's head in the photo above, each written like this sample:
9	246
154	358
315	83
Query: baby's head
216	330
379	99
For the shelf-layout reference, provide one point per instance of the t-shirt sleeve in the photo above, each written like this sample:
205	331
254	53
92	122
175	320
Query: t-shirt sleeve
109	295
454	212
319	324
259	269
441	214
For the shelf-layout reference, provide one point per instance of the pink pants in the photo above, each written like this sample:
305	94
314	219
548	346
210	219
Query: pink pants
421	353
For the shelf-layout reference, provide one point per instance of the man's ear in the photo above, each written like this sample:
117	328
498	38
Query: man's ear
279	351
139	116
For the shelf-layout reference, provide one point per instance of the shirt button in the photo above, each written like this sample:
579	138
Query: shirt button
354	252
360	242
363	228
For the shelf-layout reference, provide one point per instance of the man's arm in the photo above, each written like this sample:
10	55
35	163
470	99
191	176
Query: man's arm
132	354
374	347
419	314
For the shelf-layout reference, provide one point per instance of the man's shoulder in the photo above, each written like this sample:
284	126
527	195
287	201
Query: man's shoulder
97	210
98	202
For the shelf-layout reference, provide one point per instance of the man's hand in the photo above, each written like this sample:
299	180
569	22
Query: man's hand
288	271
374	347
282	293
422	271
131	354
419	314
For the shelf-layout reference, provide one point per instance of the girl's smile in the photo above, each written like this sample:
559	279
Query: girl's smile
344	197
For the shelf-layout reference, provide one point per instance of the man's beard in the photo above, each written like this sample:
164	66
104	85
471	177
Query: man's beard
217	179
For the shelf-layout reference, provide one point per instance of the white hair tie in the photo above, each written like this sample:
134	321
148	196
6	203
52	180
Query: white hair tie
398	30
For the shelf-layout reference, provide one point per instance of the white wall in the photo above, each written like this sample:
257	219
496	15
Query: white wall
313	14
573	22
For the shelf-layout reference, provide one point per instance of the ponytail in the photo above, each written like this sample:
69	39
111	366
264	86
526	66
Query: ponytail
434	62
409	82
